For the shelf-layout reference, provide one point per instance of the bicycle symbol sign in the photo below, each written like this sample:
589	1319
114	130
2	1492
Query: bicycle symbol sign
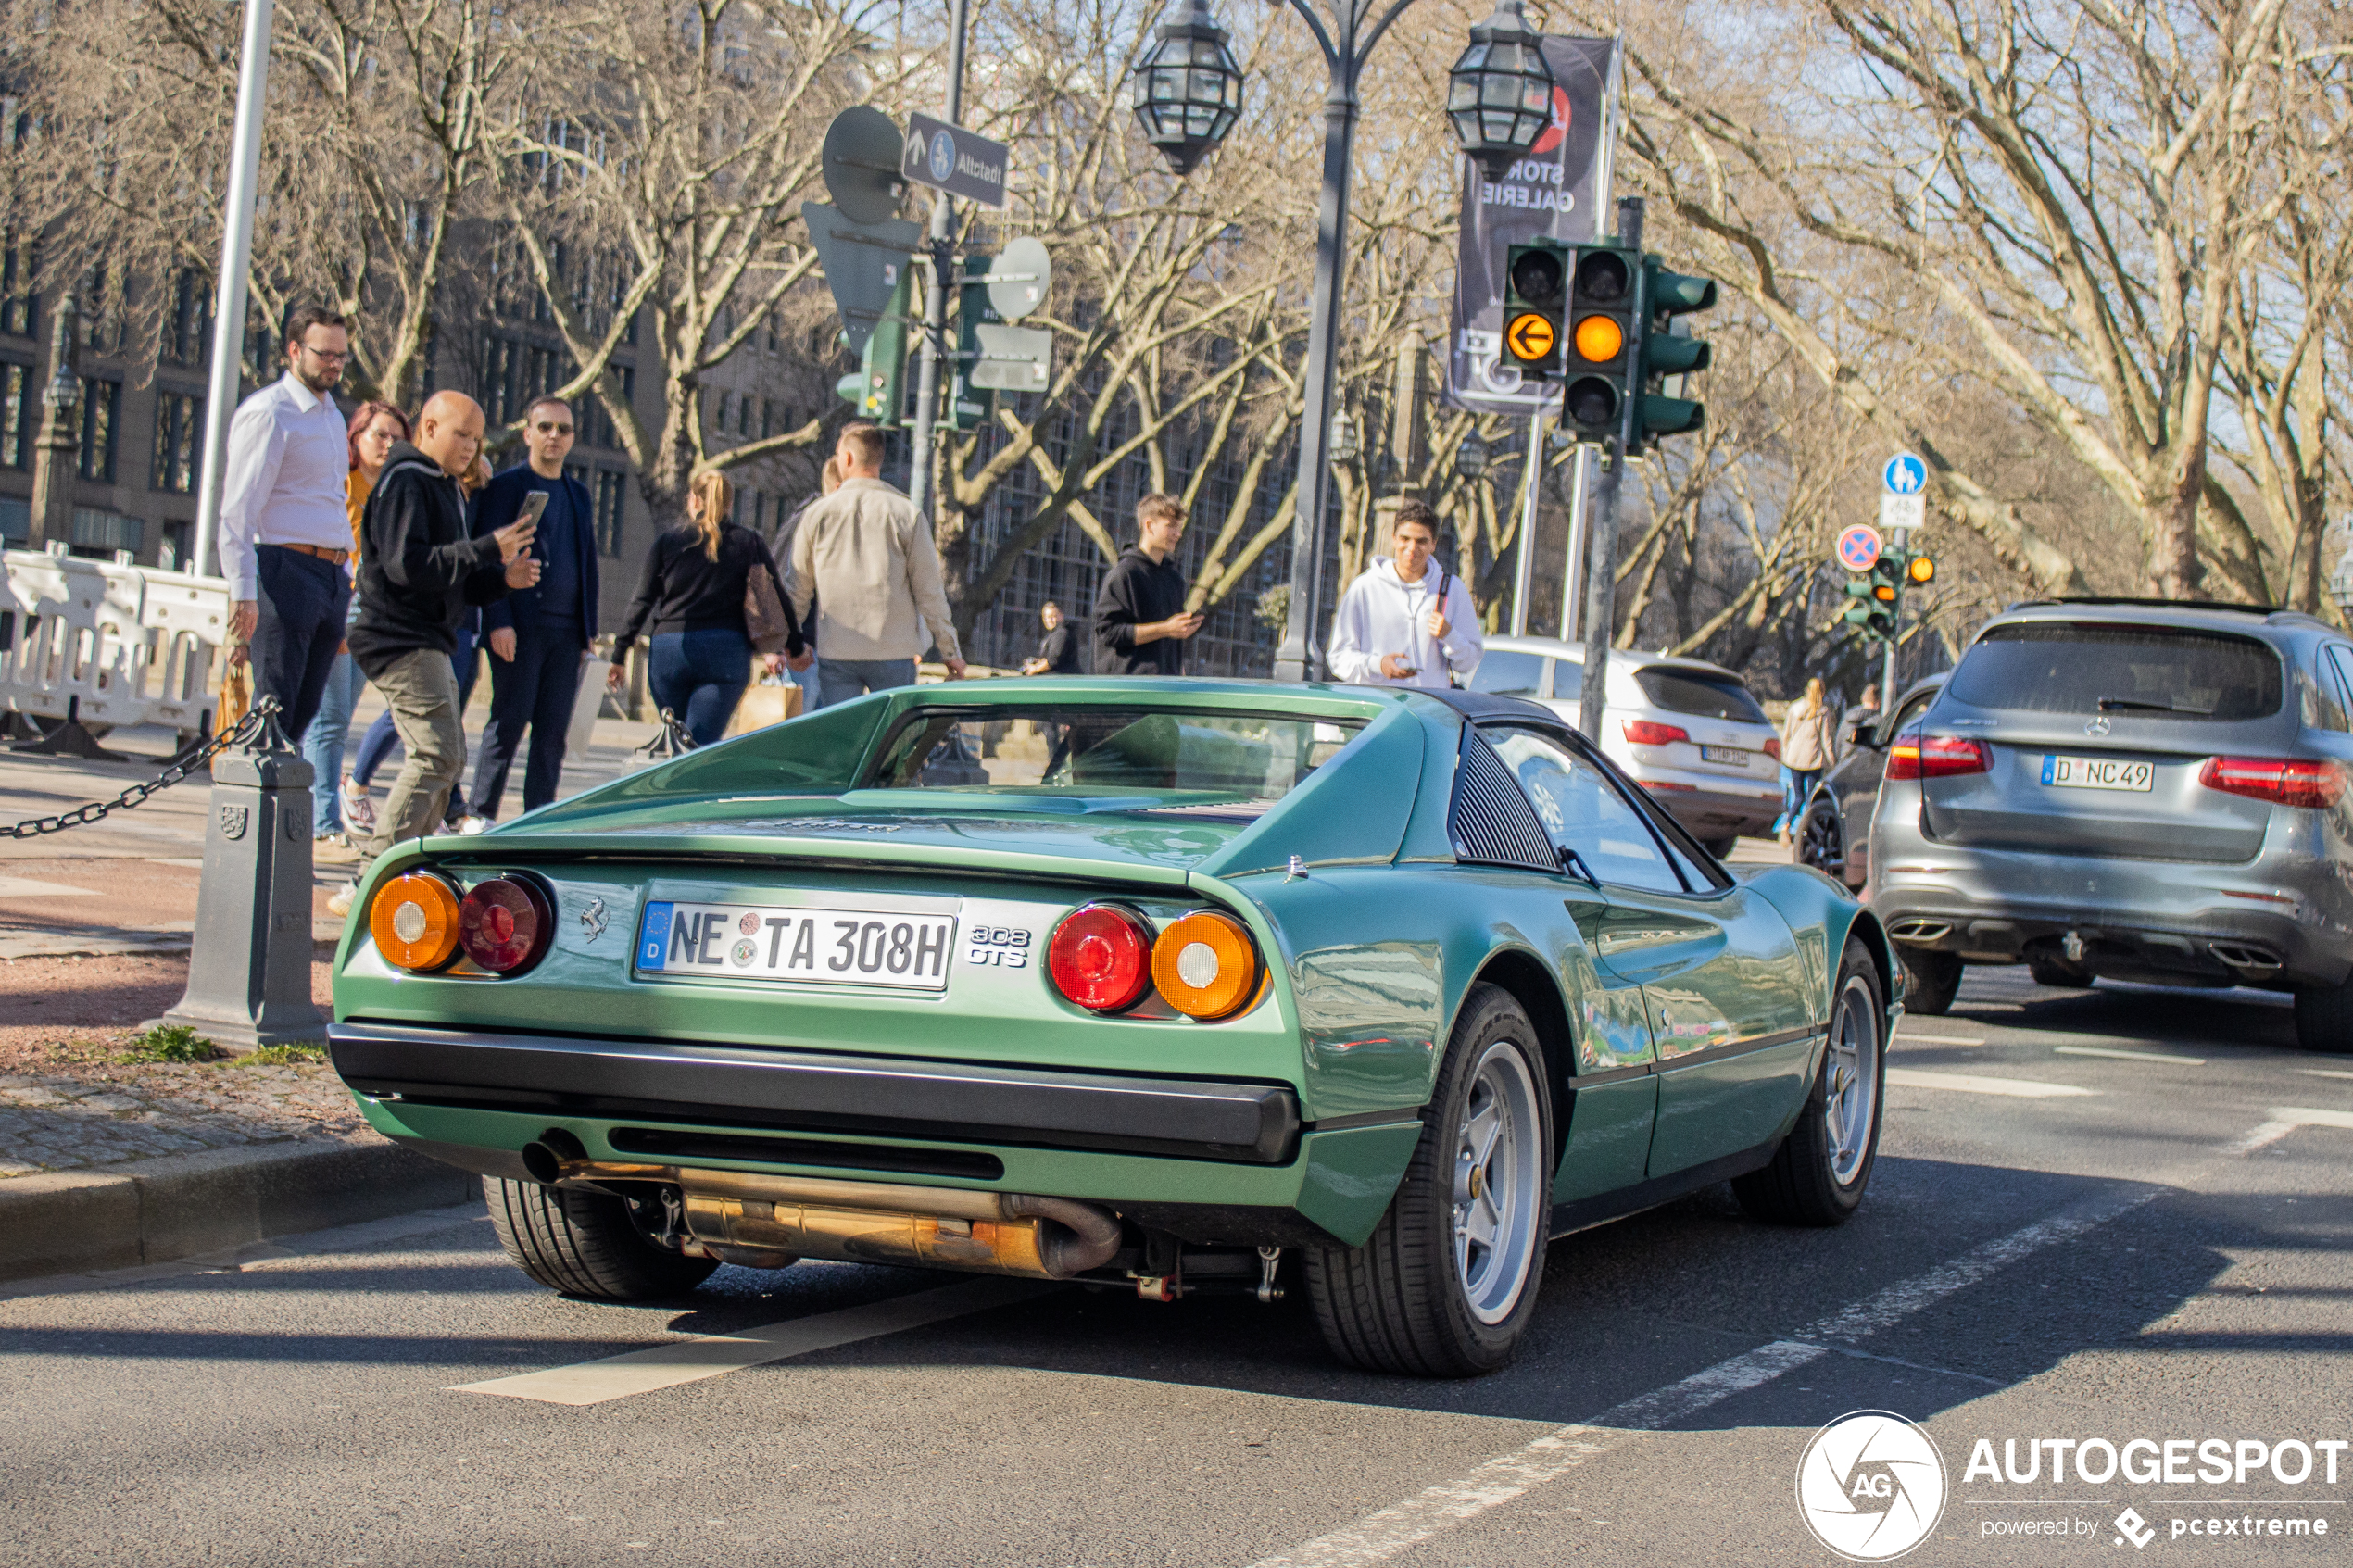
1905	475
1858	547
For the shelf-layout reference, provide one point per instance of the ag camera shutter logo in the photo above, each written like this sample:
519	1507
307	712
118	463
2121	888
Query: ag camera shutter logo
1871	1485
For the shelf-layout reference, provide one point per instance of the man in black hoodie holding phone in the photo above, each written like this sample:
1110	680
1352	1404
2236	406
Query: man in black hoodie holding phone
419	571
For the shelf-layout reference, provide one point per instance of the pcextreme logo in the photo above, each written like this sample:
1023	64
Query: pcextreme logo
1871	1485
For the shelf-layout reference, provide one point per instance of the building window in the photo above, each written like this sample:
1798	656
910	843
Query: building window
187	323
17	400
178	431
101	533
17	313
101	414
171	550
608	494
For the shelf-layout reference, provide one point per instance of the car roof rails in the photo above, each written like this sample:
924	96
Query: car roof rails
2151	604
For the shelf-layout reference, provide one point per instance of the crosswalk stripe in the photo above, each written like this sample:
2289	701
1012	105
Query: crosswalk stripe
1974	1083
2129	1056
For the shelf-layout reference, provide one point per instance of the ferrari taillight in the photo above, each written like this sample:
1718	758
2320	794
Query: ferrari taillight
1205	965
413	920
1100	957
504	924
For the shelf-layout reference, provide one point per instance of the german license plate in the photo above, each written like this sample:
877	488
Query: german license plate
2097	772
905	951
1732	754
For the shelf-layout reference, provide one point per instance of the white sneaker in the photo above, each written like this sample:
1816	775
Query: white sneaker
339	906
358	806
473	825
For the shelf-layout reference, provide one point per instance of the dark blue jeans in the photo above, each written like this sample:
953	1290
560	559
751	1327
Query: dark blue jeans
700	676
297	629
534	690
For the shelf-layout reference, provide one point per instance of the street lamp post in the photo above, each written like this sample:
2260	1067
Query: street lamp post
1498	98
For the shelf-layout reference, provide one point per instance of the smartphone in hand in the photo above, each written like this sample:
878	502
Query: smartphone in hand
534	506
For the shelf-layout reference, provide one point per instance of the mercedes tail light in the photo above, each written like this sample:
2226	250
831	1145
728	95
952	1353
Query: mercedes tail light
413	920
1100	957
2282	781
1642	732
1915	756
504	924
1205	965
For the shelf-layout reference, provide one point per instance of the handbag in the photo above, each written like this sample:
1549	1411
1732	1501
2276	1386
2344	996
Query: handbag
767	622
236	696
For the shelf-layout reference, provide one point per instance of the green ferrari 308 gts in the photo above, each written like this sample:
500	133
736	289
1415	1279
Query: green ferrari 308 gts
1167	984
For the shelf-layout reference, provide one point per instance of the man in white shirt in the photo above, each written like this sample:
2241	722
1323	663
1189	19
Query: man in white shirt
285	535
1406	621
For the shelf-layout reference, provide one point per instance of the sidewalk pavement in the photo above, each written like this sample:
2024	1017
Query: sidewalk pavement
110	1162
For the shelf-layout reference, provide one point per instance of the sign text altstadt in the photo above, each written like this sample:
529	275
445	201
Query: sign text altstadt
950	159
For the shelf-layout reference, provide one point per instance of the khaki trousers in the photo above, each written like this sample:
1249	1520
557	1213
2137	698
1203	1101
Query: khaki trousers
421	690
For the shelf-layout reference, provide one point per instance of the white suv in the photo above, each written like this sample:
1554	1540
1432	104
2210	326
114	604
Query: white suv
1688	731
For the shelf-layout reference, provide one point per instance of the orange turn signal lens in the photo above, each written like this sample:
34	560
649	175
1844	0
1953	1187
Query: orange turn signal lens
1600	339
414	921
1204	965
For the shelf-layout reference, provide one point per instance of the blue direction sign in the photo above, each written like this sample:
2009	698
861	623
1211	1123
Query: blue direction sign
950	159
1905	475
1858	547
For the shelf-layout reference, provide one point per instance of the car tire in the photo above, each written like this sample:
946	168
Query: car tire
1720	847
1930	981
2053	972
1818	1175
2325	1019
1423	1297
586	1244
1821	841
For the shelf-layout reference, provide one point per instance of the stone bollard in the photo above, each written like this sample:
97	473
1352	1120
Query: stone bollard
249	971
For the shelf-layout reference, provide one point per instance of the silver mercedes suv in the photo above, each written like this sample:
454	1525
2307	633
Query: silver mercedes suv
2144	790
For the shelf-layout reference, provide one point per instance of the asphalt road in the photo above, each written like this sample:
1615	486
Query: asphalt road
2161	1255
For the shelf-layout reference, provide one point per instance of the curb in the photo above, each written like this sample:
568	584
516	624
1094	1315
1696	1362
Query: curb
182	1205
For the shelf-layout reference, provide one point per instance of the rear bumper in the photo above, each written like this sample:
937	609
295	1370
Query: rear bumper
1713	811
2276	921
726	1086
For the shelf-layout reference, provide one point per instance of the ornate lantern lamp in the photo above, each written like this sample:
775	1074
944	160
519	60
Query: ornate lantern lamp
1500	93
1188	91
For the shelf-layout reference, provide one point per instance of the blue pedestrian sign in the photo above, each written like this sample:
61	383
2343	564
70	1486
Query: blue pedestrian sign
1905	475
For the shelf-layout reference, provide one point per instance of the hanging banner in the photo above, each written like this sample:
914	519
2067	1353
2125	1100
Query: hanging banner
1559	190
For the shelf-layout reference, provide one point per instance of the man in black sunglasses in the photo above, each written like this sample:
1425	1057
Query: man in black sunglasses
537	637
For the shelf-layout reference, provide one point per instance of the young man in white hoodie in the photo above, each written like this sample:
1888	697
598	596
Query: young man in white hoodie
1407	621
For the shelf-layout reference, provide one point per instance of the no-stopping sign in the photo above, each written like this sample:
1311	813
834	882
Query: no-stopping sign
1858	547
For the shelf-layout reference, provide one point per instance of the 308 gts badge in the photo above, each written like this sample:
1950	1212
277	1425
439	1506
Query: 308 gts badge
999	946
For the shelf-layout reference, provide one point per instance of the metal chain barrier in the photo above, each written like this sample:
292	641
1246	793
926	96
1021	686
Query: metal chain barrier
259	718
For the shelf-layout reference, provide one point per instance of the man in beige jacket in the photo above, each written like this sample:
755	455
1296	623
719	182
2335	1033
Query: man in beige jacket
868	561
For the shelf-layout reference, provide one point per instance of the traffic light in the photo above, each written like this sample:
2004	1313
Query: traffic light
878	389
1601	334
1881	591
1535	302
969	405
1668	296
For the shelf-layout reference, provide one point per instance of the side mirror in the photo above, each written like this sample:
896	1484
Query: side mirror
1861	731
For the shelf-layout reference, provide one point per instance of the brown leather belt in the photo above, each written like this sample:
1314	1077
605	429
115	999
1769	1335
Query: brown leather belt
338	556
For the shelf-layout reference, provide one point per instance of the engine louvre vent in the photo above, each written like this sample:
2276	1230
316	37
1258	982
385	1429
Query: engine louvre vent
1492	821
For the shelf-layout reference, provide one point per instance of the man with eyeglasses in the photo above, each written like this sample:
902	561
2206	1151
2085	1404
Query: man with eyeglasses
537	636
285	537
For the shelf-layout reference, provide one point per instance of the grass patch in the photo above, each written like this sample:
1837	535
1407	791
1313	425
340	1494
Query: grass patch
171	1042
284	1056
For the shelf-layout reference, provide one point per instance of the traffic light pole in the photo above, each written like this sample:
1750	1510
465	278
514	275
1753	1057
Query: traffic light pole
1600	549
941	247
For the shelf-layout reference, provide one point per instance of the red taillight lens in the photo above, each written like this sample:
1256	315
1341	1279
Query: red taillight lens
504	924
1915	756
1642	732
1100	957
2282	781
1773	749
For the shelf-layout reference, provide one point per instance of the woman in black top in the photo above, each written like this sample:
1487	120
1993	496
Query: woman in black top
693	593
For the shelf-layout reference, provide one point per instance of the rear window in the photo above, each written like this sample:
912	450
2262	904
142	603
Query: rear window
2144	671
1506	672
1077	749
1704	696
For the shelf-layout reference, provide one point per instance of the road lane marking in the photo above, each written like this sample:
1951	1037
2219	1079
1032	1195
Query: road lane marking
1904	1037
689	1360
1381	1535
2129	1056
29	887
1974	1083
2322	1072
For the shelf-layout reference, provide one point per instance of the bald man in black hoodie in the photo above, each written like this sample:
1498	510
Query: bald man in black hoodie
419	570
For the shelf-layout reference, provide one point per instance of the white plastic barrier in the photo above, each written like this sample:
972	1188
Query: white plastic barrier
112	645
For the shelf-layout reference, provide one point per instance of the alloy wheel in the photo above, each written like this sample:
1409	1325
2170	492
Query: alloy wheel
1817	842
1498	1167
1851	1100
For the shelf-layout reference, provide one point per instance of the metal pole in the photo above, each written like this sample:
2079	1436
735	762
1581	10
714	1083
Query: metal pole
1600	570
942	248
1532	477
1302	655
236	259
1572	567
